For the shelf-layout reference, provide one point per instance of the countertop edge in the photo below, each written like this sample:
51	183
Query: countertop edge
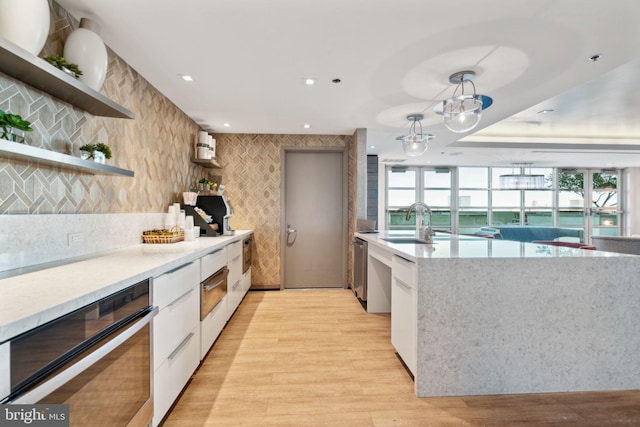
33	294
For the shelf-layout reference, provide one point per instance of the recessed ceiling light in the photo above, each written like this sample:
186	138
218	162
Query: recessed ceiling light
546	111
227	125
186	77
372	146
306	126
309	81
595	58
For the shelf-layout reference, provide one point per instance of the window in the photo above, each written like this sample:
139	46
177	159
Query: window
586	200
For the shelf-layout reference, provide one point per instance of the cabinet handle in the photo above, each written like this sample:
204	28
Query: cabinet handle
172	303
235	285
404	259
401	283
184	342
175	269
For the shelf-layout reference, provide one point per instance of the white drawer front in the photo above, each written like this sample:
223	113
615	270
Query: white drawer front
234	249
171	285
173	324
404	270
235	269
212	325
212	262
246	280
174	373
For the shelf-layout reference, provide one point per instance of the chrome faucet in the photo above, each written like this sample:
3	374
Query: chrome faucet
421	233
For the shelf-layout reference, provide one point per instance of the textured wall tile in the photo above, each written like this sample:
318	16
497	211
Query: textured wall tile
252	176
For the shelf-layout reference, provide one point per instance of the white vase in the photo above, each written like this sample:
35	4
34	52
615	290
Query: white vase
85	48
25	23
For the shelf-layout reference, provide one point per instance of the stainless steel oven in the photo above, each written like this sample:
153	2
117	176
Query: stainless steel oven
246	253
212	290
96	359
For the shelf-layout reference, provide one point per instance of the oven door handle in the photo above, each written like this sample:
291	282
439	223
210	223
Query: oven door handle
52	384
208	287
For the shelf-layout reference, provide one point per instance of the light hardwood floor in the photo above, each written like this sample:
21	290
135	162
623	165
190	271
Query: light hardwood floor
316	358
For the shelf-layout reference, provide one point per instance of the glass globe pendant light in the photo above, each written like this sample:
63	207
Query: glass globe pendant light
463	112
415	144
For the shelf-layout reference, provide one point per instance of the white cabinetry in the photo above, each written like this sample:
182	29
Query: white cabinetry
404	310
213	323
235	291
176	334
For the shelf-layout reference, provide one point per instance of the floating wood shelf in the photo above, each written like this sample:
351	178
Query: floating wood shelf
207	163
14	150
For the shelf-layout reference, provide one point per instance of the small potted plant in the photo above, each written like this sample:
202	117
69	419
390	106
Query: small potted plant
62	64
13	127
206	185
97	152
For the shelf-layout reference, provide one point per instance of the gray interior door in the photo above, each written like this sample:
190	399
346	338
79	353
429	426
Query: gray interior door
315	253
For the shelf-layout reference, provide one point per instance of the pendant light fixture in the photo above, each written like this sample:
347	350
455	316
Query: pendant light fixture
463	112
521	181
415	144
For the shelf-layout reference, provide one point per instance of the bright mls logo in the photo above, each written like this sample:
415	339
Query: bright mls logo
34	415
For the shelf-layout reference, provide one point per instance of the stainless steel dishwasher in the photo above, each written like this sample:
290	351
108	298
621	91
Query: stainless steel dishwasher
360	268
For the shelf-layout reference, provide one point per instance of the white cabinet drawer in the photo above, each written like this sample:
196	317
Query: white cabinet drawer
403	322
173	323
212	262
234	249
404	270
235	269
174	373
233	298
246	280
172	285
212	325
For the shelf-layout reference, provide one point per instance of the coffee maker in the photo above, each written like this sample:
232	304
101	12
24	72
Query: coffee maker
219	209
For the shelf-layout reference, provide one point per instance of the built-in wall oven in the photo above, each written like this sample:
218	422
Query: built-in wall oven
96	359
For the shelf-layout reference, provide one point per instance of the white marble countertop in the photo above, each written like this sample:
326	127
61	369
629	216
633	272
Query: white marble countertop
448	246
31	299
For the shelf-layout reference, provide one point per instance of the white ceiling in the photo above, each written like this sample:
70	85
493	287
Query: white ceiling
249	57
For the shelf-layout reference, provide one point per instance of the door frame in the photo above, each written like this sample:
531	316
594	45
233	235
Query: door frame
345	207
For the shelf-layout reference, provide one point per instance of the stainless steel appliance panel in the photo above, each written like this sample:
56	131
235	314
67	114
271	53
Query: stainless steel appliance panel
246	253
104	372
212	290
360	268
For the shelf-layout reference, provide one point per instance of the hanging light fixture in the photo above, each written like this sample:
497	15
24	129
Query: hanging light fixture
462	112
521	181
415	144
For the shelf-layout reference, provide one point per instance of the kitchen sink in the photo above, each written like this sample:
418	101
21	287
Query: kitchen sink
407	240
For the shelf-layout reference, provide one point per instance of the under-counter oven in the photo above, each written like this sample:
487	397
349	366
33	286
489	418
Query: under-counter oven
212	290
96	359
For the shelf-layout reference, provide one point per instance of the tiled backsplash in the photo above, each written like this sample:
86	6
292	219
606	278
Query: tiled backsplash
28	240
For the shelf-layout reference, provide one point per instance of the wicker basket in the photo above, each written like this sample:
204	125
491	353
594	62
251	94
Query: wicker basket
171	236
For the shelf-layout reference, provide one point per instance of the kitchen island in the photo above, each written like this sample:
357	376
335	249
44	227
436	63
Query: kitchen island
473	316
